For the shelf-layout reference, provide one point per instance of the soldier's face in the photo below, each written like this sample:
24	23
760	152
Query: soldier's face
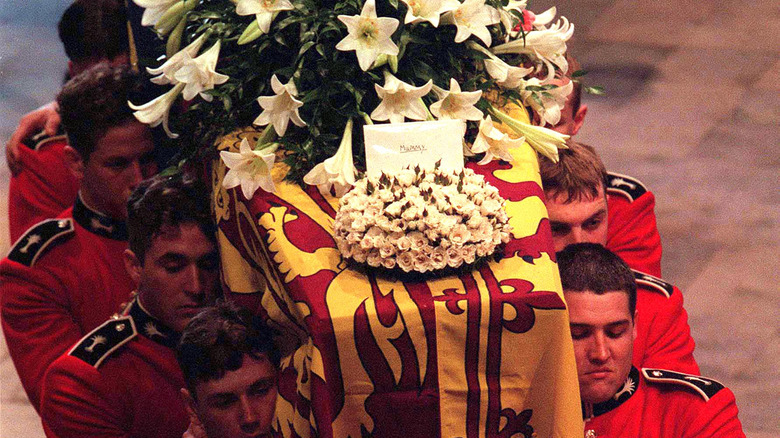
240	404
122	158
581	220
179	275
603	332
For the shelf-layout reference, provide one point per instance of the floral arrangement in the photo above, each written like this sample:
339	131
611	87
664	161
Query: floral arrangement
421	220
312	72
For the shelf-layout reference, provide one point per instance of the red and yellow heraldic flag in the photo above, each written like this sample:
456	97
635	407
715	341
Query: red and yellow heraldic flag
482	354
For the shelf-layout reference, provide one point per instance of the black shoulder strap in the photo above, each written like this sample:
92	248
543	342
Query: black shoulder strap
704	386
98	345
653	282
38	239
625	185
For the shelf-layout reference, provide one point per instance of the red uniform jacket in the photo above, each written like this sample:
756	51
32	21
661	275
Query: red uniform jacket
663	336
663	404
121	380
632	232
43	189
62	279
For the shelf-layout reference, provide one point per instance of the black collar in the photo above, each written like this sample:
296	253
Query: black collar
628	389
97	222
152	328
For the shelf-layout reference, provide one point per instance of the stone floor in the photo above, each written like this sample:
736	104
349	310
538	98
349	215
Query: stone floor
692	109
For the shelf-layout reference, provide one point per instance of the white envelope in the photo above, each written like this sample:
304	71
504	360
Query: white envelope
395	146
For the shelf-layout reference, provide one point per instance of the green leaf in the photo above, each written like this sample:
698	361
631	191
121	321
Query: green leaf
598	91
305	47
579	73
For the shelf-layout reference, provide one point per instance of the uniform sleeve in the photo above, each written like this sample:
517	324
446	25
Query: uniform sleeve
632	232
669	342
78	401
36	323
717	418
42	190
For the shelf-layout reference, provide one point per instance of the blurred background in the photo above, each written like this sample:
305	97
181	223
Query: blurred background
692	109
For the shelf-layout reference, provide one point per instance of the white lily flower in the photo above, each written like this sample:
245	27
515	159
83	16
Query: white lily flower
545	18
549	45
548	103
281	108
169	68
456	104
472	18
400	100
153	10
506	75
428	10
544	140
249	168
156	111
369	35
264	10
337	171
493	142
199	74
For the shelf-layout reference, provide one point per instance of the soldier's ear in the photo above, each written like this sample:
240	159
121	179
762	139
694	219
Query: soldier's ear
75	162
133	266
579	118
196	428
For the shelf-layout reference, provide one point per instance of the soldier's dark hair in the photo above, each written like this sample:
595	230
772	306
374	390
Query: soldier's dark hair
163	203
91	30
578	174
217	340
591	267
95	101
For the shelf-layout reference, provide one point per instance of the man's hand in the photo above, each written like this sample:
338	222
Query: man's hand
195	431
45	118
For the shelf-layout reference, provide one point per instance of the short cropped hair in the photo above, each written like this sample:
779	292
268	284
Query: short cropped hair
94	29
217	339
164	202
578	174
576	92
95	101
591	267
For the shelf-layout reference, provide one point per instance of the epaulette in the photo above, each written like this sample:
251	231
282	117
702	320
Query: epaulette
625	185
98	345
38	239
41	141
653	282
706	387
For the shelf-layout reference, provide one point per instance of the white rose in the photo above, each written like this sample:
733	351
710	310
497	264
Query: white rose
418	240
439	258
404	243
374	259
469	254
387	250
405	177
385	195
484	249
388	263
490	207
394	209
454	257
359	224
459	235
421	262
359	254
354	237
432	234
405	261
345	249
